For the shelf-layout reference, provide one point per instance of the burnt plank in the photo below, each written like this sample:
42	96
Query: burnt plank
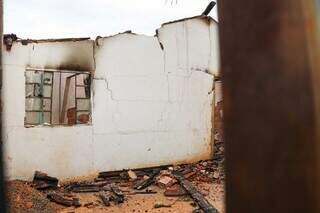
57	198
111	174
123	173
42	181
117	199
43	176
195	194
105	198
145	183
118	194
42	185
117	190
76	202
175	192
209	8
147	192
85	189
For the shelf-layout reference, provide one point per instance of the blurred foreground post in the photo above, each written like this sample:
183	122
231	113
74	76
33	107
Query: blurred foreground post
270	70
2	194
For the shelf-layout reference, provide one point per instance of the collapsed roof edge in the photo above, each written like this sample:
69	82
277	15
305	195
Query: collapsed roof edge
14	37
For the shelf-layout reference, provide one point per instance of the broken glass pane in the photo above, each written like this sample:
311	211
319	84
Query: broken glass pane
47	78
83	104
29	90
37	90
33	104
33	77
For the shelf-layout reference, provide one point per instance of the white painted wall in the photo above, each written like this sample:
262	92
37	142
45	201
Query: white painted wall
151	106
62	151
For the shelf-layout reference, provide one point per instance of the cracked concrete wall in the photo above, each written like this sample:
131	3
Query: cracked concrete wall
151	102
153	96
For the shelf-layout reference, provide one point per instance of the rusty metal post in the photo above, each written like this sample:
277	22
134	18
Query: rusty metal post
2	184
270	71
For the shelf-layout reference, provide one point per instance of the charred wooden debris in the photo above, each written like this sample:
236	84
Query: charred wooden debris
114	188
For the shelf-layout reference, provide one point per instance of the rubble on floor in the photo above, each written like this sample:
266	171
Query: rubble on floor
184	183
43	181
195	194
22	197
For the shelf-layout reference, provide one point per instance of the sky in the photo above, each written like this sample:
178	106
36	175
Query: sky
38	19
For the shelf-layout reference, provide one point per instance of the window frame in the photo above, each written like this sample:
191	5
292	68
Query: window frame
41	122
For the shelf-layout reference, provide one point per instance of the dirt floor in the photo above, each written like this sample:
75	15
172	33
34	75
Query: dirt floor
145	203
24	198
207	177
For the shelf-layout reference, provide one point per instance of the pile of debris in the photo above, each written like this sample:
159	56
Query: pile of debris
22	197
113	187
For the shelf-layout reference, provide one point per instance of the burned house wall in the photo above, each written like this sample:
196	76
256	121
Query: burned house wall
153	96
58	150
152	101
194	46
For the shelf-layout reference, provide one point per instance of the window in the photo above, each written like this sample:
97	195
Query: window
56	97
